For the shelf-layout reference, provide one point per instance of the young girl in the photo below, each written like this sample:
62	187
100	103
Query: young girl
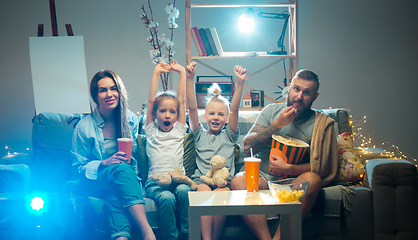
165	130
103	170
215	140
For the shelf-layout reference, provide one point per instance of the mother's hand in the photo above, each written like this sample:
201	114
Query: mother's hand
119	157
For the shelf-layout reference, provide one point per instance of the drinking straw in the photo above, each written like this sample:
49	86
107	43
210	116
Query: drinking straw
251	151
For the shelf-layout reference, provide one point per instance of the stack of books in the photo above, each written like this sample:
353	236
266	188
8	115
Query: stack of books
206	42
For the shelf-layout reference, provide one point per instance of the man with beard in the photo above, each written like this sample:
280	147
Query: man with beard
295	119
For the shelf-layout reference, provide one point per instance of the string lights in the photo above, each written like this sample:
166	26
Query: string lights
10	150
364	143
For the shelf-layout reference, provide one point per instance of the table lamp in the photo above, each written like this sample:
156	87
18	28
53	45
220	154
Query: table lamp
246	21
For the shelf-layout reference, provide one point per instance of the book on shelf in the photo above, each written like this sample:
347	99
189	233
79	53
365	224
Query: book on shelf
205	42
218	45
196	43
199	40
211	42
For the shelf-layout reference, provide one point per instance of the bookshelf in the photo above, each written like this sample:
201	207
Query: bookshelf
292	47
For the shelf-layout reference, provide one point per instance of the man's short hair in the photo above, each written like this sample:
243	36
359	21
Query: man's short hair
307	75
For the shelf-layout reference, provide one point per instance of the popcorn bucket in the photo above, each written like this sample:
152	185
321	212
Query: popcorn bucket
287	147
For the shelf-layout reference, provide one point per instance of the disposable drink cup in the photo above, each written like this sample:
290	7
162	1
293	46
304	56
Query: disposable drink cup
125	145
252	172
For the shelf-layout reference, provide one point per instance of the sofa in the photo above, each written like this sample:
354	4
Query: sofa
381	206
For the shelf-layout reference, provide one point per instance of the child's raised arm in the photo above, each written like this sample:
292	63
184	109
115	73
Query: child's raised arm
181	90
191	96
159	68
240	74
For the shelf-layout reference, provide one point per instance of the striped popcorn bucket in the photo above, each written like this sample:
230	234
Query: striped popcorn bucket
291	150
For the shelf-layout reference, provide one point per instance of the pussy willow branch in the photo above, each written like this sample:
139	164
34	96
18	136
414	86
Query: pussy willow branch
150	10
172	36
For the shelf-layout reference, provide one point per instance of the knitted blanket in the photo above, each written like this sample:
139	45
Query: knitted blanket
324	149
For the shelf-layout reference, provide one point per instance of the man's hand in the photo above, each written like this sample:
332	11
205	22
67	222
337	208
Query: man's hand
286	117
119	157
278	166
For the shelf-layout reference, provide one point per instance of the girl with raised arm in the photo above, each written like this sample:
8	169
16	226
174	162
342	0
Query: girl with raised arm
165	130
216	140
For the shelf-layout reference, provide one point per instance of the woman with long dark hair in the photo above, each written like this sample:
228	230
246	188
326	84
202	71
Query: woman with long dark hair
104	171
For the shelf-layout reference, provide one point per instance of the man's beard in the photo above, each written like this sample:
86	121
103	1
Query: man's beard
290	102
303	108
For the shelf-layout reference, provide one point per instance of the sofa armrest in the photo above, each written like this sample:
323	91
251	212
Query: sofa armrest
16	172
342	119
18	158
395	192
14	177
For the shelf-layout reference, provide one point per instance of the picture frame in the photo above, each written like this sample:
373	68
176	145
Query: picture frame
257	98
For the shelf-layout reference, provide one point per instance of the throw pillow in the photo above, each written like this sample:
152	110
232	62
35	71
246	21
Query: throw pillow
189	156
141	140
350	168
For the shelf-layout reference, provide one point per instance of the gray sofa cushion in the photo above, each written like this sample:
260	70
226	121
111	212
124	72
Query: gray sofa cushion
395	195
51	142
329	219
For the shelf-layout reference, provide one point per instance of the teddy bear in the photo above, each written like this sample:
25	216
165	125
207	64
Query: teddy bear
176	176
219	174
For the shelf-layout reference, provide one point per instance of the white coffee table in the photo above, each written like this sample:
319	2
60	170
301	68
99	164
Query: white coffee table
240	203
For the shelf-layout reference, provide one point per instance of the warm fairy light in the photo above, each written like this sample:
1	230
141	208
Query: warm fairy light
10	150
364	142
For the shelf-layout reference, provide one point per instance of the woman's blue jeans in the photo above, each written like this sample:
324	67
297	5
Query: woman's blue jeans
119	187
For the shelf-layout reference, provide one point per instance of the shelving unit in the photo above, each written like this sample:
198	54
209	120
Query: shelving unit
292	48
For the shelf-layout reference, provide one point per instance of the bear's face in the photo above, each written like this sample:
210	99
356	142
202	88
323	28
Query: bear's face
217	162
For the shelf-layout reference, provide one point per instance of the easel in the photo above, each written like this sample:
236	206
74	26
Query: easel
54	23
51	57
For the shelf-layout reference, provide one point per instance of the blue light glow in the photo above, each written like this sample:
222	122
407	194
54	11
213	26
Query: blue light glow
37	203
246	23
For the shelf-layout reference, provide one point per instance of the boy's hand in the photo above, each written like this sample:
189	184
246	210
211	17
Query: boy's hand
176	67
191	70
162	67
240	73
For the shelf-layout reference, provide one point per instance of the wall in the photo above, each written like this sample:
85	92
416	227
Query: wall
364	52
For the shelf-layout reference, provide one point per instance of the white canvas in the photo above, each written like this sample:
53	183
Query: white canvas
59	74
